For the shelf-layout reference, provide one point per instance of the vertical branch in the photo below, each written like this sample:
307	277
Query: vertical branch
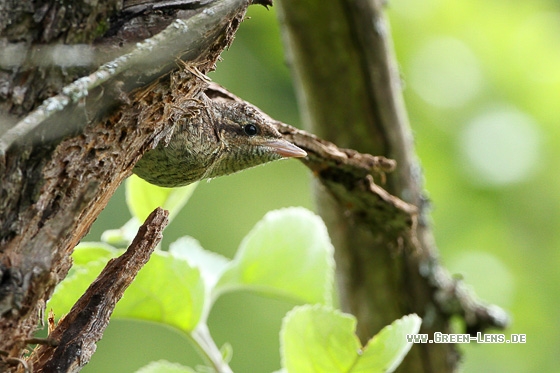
348	88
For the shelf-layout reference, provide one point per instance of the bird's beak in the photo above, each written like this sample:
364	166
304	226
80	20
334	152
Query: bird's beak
286	149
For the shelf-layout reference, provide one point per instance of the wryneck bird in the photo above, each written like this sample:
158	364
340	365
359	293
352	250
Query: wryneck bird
223	137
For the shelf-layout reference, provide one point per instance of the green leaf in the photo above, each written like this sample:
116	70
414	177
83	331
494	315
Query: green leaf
288	253
86	252
163	366
167	290
142	198
227	352
89	260
210	264
385	351
124	235
320	339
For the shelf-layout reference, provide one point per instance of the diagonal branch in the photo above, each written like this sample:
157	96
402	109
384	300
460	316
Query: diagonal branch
347	175
78	332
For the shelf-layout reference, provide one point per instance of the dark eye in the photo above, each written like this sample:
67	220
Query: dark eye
250	129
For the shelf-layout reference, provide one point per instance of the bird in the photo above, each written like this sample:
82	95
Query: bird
213	138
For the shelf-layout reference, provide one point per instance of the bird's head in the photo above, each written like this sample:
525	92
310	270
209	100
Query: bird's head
247	139
226	137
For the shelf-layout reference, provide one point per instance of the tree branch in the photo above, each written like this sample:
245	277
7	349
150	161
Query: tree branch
348	86
55	181
77	332
347	175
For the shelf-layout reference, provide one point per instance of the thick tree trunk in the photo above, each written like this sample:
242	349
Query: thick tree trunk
60	166
349	91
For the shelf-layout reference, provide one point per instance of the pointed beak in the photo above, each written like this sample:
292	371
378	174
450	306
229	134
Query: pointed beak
286	149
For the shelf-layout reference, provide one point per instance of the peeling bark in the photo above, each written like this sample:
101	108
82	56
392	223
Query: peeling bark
57	175
76	334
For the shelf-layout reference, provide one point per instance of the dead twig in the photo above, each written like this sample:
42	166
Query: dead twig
78	331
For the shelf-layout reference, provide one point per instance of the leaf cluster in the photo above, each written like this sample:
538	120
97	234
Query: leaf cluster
287	254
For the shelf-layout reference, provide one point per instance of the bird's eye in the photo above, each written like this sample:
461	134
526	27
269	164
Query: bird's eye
250	129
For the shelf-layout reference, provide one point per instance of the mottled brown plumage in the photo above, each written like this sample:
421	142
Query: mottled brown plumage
213	138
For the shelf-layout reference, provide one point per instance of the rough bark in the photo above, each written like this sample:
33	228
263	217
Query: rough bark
60	165
349	91
73	340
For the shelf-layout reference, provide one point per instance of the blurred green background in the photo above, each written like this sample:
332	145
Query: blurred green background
482	88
